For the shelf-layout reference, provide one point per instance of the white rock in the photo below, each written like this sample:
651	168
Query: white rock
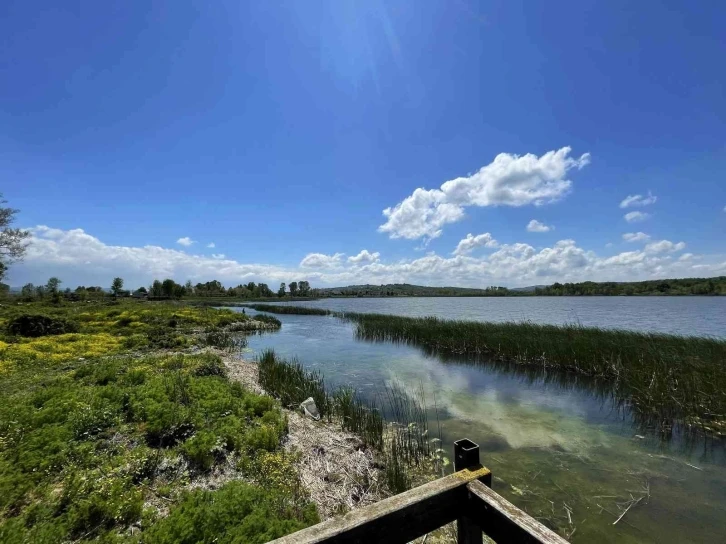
310	409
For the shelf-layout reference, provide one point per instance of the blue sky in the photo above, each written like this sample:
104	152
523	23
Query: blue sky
281	131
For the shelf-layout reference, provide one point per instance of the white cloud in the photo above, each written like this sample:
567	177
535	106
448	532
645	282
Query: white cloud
686	257
186	241
218	256
632	201
211	245
365	257
664	246
320	260
636	217
636	237
509	180
536	226
77	257
470	243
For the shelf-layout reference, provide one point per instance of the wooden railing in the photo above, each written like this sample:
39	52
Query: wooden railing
464	496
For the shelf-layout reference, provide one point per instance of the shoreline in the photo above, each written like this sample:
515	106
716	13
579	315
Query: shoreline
338	472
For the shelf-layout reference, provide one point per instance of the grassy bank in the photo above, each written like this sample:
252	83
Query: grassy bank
402	437
111	427
662	378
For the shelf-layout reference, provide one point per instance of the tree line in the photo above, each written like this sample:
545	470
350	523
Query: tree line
162	289
683	286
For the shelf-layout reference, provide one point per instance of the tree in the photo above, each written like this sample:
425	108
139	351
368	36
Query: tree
304	288
53	285
188	288
167	287
117	286
293	288
28	292
281	290
141	290
156	290
12	241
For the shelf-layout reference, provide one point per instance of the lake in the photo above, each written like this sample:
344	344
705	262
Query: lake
701	316
556	444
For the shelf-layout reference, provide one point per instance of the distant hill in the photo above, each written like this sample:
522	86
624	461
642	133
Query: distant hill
664	287
406	289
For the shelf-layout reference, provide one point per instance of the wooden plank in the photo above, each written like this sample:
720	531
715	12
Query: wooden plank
504	522
397	519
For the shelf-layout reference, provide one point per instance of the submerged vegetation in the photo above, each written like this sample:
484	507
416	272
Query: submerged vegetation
663	379
103	437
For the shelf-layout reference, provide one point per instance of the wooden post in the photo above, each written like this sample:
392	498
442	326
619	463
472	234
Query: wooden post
466	456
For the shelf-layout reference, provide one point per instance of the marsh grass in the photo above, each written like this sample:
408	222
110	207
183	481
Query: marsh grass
290	382
662	380
281	309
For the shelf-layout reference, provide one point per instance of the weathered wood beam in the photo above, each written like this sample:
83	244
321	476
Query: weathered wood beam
504	522
398	519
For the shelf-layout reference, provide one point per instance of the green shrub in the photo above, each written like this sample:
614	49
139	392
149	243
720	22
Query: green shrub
35	325
203	450
238	512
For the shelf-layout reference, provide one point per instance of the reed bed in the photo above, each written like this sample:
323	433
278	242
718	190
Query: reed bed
282	309
663	379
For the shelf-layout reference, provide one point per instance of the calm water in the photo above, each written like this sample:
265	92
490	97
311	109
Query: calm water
557	446
703	316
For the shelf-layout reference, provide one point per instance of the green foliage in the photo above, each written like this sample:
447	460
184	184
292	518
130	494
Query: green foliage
85	444
269	320
280	309
682	286
238	512
35	325
291	383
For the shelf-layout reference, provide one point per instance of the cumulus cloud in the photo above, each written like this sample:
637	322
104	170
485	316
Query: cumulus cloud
211	245
218	256
632	201
536	226
77	257
636	217
471	242
186	241
636	237
320	260
365	257
664	246
509	180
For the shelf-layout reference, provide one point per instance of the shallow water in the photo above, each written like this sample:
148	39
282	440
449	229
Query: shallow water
700	316
556	444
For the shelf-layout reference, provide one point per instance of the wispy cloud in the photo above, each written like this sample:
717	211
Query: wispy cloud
636	217
211	245
632	201
636	237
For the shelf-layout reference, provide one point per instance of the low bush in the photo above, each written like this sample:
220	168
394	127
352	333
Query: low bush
35	325
238	512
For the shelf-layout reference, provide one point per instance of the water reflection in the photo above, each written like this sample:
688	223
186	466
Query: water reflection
565	447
